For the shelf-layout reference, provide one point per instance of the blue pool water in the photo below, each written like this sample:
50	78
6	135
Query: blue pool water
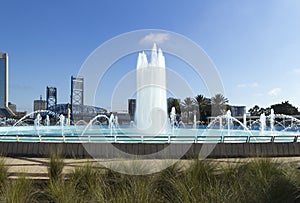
127	134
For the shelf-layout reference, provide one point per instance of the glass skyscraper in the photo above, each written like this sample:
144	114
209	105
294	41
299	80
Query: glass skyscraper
3	80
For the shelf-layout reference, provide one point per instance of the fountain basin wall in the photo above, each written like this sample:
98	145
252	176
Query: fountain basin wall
102	150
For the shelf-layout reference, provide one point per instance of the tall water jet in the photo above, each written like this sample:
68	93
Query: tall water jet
37	120
272	119
37	123
47	120
172	121
69	116
62	124
116	121
245	120
195	122
262	120
111	121
112	126
151	106
62	120
228	121
173	116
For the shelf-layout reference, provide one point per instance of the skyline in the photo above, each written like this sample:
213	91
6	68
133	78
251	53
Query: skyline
254	45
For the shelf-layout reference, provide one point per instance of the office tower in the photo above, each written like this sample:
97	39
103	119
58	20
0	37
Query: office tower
77	106
51	99
4	110
76	90
3	80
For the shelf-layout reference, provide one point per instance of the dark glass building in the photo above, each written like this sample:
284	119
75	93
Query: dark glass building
3	80
237	110
51	96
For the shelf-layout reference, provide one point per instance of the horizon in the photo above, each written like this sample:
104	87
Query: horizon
254	45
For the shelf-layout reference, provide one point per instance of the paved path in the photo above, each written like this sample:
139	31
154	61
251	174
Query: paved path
37	167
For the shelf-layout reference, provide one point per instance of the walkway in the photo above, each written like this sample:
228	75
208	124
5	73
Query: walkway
36	168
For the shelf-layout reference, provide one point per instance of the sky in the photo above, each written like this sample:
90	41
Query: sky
255	45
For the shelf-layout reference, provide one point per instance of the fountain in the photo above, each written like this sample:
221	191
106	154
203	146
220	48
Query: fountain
173	121
225	128
195	122
62	124
112	126
151	121
62	120
151	106
47	121
245	119
262	120
116	121
37	120
272	119
228	121
20	121
173	117
37	123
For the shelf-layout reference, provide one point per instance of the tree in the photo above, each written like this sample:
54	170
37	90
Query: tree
172	102
219	104
188	105
285	108
203	106
254	111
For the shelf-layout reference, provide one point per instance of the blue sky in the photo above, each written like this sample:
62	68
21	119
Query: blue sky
254	44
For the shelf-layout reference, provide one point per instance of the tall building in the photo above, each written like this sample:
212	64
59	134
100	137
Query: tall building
3	80
4	110
77	105
77	90
51	97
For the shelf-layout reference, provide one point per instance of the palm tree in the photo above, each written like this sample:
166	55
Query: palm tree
202	105
219	104
172	102
188	104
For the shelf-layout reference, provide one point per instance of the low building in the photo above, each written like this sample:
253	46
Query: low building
237	110
12	107
79	112
39	105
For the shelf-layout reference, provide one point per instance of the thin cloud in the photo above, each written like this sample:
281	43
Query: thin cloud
248	85
274	92
155	38
296	70
258	94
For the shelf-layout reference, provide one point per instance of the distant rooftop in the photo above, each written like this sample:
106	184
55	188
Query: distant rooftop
2	55
4	112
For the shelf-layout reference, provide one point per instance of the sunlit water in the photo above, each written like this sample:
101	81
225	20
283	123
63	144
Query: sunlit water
98	133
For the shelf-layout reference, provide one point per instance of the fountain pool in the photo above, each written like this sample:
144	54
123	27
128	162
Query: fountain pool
223	128
152	123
